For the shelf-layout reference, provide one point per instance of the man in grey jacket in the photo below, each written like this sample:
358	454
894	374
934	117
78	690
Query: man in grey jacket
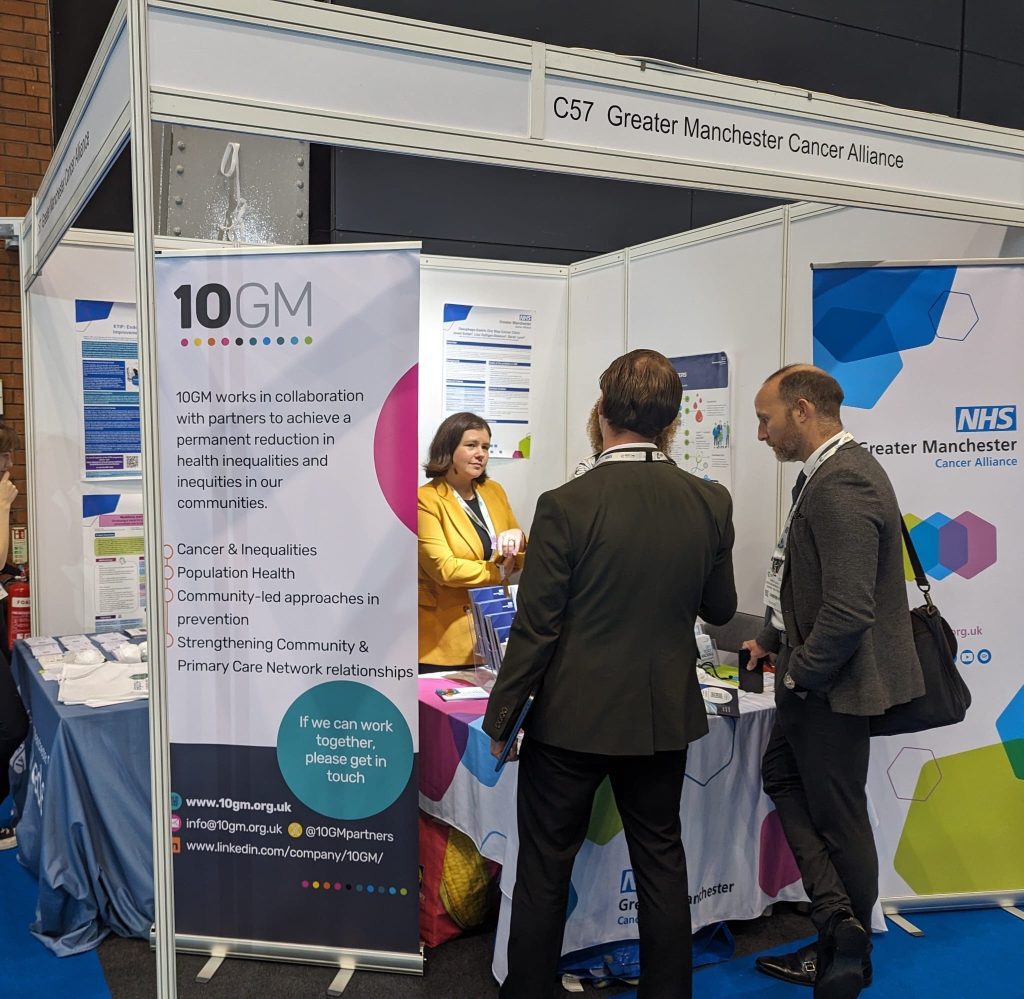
838	623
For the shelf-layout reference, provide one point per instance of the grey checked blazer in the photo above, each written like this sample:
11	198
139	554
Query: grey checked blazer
844	595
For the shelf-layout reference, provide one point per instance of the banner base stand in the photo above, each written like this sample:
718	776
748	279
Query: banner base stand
340	982
905	924
210	969
346	960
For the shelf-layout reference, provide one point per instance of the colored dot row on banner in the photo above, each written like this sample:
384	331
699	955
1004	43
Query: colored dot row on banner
240	341
369	889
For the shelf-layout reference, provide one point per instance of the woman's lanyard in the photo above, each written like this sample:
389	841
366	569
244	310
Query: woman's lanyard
773	581
633	454
485	524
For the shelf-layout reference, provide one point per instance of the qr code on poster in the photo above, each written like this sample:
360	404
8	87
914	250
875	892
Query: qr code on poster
132	460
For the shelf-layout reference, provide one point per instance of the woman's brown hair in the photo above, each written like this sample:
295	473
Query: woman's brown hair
447	438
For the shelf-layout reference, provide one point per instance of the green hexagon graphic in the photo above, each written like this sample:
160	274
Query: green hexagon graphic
964	836
605	821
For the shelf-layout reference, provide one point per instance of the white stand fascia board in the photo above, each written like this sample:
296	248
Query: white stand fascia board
96	131
388	83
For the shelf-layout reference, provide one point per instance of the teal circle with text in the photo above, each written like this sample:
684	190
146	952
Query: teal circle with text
345	750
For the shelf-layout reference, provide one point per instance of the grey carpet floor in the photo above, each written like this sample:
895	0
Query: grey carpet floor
459	969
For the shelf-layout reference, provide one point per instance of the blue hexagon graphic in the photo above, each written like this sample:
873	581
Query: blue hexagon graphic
714	752
926	538
864	381
953	315
1010	726
864	317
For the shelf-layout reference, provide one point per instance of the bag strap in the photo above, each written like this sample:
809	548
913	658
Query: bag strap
919	577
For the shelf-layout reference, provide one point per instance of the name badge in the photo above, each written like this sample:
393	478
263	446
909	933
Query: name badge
773	581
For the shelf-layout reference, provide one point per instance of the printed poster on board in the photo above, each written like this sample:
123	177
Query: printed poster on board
487	371
703	441
111	429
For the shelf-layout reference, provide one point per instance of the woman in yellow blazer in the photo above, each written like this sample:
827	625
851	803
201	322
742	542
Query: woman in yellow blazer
465	524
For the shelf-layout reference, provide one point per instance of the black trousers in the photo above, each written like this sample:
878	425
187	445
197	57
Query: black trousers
556	792
815	769
13	723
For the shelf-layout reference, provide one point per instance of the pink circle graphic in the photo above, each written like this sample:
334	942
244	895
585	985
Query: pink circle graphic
394	448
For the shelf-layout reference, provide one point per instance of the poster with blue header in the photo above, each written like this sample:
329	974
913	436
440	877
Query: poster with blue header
111	428
702	444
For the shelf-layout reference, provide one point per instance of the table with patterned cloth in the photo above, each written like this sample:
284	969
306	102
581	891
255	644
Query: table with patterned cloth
737	857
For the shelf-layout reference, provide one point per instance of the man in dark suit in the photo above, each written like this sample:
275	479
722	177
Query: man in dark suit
839	625
621	562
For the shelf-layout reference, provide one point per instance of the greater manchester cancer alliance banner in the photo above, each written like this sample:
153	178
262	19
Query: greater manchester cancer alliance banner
930	359
288	462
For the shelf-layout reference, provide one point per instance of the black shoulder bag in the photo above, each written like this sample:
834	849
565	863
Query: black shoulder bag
946	697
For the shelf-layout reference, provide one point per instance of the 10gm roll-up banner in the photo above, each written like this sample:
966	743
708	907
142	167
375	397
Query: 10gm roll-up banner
930	359
287	415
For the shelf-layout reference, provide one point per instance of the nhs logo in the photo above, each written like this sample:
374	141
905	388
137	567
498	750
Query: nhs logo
981	419
627	883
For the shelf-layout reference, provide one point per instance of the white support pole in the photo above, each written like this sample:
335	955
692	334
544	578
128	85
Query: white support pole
28	443
145	288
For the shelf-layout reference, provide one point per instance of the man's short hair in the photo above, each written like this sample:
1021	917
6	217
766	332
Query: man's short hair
641	393
803	381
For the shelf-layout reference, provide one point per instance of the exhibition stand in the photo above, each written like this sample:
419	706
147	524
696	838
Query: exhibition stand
347	327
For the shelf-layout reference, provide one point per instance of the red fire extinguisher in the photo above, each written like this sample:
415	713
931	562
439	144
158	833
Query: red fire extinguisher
19	610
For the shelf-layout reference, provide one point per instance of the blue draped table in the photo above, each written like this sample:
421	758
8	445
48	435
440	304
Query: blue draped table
82	802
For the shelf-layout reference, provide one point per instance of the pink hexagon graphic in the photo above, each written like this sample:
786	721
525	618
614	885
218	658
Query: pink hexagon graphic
776	864
954	542
981	544
965	545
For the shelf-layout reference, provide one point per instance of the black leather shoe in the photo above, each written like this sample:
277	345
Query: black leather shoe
800	967
842	952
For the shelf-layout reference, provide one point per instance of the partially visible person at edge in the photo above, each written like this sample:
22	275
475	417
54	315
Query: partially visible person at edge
663	442
13	720
838	622
468	537
622	560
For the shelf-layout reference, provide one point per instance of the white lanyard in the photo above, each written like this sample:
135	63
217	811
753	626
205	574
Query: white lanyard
844	438
632	454
773	579
485	525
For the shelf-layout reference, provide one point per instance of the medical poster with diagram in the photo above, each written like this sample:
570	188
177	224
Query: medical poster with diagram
114	561
929	359
111	430
287	427
487	371
703	441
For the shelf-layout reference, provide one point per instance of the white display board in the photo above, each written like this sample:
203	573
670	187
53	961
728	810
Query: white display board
597	333
723	292
501	284
99	269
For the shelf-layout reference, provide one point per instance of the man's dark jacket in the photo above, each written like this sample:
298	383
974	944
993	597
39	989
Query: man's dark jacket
621	561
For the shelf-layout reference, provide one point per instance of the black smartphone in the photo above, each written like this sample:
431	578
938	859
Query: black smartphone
750	679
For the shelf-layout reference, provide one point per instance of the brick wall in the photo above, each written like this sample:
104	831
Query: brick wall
26	142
